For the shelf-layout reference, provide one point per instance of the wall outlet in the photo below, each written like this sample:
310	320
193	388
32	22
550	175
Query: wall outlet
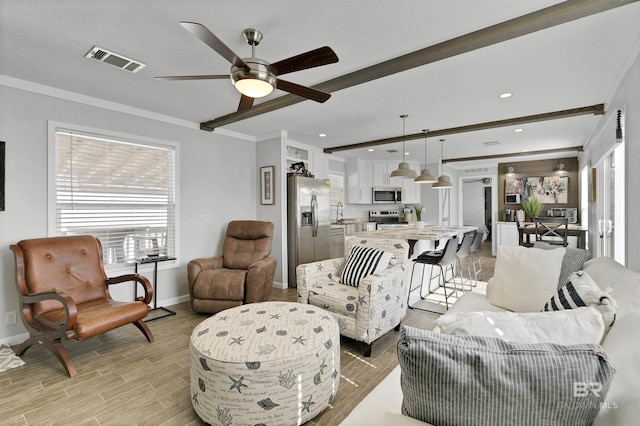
10	318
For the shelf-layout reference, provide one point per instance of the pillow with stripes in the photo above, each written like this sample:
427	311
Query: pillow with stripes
582	290
464	380
362	262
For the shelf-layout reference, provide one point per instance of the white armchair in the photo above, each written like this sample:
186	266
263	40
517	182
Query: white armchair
368	311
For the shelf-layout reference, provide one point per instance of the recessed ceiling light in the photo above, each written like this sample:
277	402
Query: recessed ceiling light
407	153
518	130
371	150
506	95
525	150
322	135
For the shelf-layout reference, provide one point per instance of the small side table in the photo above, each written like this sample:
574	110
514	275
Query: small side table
155	261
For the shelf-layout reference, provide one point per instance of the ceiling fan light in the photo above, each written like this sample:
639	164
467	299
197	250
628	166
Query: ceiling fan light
444	182
426	177
256	81
404	171
253	88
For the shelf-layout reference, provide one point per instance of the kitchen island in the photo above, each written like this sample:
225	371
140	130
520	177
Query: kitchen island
432	234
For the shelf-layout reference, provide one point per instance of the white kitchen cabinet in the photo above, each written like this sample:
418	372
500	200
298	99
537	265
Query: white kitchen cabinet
411	190
381	173
507	234
359	181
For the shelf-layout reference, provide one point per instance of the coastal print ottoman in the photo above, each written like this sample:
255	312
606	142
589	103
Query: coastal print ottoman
270	363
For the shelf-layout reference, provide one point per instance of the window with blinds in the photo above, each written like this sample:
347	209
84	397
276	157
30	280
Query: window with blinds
122	192
336	188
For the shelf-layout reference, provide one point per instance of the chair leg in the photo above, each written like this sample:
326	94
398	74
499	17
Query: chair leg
367	350
142	326
55	347
63	356
444	286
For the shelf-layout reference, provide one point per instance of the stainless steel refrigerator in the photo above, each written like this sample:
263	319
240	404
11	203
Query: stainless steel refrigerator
308	222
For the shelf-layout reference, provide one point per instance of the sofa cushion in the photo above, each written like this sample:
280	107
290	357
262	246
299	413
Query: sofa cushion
572	261
524	278
448	380
580	291
362	262
622	405
581	325
625	283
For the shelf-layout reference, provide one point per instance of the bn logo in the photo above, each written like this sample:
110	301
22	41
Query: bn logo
584	389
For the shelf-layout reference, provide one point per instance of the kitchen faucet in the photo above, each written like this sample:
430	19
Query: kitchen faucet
339	212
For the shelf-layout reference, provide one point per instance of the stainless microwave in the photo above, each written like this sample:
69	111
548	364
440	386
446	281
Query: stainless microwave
512	199
384	195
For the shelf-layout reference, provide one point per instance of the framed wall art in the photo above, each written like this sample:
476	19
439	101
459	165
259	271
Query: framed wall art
267	185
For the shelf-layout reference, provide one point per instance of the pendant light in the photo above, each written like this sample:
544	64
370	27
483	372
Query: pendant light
425	175
444	181
404	171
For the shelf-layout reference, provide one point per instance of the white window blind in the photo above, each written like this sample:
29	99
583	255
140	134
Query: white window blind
336	188
121	192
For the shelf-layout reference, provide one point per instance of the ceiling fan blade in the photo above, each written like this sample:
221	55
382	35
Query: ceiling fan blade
193	77
314	58
303	91
208	38
245	103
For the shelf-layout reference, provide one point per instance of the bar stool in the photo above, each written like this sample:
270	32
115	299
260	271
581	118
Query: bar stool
463	252
445	261
475	256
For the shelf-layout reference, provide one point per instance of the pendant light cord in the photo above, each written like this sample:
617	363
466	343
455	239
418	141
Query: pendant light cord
425	146
403	116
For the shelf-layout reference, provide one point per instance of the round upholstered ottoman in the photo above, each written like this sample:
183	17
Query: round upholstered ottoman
270	363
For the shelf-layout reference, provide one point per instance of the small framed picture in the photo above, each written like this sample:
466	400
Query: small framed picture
299	168
267	185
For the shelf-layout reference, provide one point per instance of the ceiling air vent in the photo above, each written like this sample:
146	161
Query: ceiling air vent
490	143
102	55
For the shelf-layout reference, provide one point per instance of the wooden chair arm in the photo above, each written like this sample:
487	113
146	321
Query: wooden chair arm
146	285
71	310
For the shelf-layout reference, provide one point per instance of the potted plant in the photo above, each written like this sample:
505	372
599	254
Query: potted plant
532	206
418	209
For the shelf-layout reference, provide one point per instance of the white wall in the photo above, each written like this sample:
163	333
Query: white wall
269	153
217	183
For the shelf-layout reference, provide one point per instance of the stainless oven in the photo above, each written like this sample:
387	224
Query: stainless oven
387	219
384	195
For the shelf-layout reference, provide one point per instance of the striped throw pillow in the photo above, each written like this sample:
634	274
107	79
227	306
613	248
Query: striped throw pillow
473	380
362	262
582	290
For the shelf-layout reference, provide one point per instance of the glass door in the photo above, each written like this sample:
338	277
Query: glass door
610	205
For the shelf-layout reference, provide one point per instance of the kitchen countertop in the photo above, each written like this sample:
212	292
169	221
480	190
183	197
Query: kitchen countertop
433	233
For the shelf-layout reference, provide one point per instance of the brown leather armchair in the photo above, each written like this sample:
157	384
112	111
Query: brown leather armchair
243	274
64	294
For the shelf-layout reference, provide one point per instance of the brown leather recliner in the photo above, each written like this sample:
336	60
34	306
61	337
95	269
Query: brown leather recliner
242	274
63	291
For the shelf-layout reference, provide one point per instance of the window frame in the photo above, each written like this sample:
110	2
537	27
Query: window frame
55	126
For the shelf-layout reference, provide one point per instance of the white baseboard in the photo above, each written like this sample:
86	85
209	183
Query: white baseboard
14	340
174	301
279	285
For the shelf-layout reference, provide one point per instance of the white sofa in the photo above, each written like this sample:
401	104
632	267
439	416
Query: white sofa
622	345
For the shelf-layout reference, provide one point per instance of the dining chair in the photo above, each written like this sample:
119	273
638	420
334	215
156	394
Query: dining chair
552	230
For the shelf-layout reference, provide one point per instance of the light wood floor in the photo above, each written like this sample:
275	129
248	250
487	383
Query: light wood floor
124	380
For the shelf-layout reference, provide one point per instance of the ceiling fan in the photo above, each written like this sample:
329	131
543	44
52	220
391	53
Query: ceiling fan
254	77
